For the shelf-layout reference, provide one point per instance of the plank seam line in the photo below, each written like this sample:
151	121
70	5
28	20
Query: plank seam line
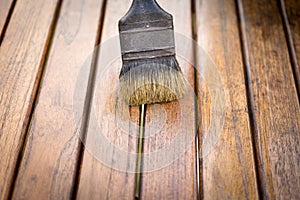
290	44
5	26
35	96
140	148
255	140
88	102
198	152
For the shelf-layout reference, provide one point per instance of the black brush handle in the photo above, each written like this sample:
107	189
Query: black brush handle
145	11
145	6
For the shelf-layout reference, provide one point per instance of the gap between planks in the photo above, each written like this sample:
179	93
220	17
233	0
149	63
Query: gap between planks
268	156
84	17
198	138
88	100
5	21
89	164
38	84
290	44
260	175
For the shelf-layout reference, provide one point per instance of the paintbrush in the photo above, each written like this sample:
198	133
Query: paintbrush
150	72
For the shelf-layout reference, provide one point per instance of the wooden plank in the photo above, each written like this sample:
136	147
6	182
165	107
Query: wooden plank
22	54
168	171
49	163
109	159
274	99
5	6
291	15
229	169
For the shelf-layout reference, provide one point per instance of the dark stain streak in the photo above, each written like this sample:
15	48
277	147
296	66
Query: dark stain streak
26	153
63	171
246	42
65	28
10	102
7	20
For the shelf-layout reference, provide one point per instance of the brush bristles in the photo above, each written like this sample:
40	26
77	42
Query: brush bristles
152	81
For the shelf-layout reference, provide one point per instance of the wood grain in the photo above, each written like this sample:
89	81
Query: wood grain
21	57
168	169
274	99
228	171
109	158
291	11
51	151
5	6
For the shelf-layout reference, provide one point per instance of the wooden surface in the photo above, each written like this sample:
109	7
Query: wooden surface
22	55
58	89
54	117
111	119
175	180
6	8
229	169
291	14
274	100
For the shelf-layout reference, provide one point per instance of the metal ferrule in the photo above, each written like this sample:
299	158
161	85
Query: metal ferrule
147	43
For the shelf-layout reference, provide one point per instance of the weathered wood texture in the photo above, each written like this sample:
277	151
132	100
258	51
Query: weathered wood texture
228	171
5	6
21	57
292	12
256	57
275	103
109	158
51	152
166	122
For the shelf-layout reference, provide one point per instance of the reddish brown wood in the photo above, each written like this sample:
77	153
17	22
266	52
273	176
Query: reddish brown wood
51	152
291	15
164	122
5	6
273	97
49	159
110	118
22	54
228	171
